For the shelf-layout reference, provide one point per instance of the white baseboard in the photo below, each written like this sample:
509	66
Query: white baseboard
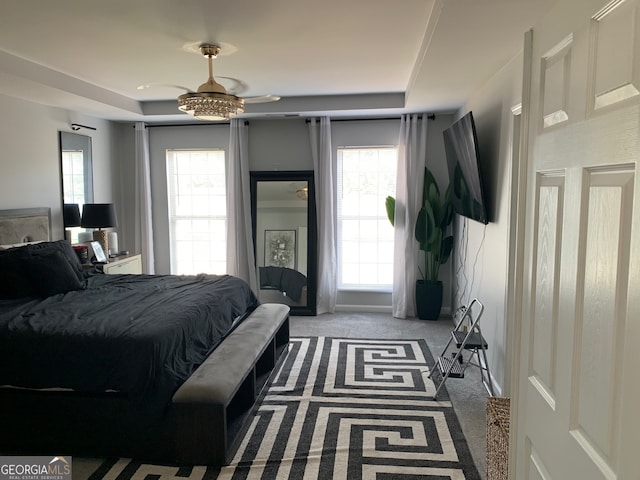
364	308
497	389
445	313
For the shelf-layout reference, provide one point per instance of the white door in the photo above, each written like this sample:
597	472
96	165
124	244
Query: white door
577	406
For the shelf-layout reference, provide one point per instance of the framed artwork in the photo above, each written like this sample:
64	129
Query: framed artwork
280	248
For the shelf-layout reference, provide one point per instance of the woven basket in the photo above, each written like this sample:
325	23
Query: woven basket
497	438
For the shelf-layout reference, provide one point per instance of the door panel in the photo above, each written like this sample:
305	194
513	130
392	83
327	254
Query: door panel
615	72
542	372
578	384
600	323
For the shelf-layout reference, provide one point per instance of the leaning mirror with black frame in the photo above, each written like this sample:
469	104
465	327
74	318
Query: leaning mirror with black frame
76	178
284	237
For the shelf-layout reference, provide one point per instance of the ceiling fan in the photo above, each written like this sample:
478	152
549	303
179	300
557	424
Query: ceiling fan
211	101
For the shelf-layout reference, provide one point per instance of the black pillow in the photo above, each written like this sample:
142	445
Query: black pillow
15	281
62	246
51	273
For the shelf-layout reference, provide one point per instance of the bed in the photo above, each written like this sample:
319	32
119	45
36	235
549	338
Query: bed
283	285
158	367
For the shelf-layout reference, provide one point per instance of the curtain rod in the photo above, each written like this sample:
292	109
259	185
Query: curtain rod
430	116
208	124
77	126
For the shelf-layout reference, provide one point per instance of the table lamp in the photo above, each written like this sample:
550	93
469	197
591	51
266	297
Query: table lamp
99	215
70	217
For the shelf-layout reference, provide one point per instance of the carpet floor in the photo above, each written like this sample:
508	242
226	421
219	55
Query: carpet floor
339	408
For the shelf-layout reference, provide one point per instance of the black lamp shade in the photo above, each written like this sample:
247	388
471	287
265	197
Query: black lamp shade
71	215
98	215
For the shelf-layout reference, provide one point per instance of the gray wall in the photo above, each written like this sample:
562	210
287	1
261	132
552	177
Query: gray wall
481	260
279	144
31	171
30	158
161	139
274	144
385	132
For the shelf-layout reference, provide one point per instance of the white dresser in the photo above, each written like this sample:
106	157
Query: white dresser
124	264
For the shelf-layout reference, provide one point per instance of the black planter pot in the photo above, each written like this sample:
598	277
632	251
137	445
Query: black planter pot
428	300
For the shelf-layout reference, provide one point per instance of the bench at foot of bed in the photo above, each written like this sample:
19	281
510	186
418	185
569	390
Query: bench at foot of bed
213	407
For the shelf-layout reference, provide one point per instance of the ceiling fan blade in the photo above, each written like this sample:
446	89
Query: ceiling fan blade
234	86
239	87
261	99
146	86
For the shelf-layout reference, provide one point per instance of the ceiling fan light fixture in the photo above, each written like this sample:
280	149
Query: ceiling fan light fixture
211	102
210	106
303	193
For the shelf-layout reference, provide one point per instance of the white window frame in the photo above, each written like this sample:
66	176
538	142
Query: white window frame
74	168
379	216
76	184
212	203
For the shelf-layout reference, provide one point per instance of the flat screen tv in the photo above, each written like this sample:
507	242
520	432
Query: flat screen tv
461	148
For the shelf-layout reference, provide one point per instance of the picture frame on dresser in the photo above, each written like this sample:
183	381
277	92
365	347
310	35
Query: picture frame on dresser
98	253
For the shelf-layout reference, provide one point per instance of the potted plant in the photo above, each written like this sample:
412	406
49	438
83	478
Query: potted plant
431	227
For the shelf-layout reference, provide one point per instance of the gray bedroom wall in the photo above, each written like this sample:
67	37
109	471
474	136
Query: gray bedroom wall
30	162
283	144
274	144
482	255
279	144
386	132
364	133
31	176
125	160
160	140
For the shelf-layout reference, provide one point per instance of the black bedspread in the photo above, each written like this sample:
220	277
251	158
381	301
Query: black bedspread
284	279
141	335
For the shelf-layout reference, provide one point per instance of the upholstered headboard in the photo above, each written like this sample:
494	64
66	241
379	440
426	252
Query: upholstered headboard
25	225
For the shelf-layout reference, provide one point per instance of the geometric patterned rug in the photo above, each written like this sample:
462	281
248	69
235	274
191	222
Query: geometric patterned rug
339	409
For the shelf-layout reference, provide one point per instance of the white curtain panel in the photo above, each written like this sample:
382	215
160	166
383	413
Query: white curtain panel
143	224
240	253
412	150
325	178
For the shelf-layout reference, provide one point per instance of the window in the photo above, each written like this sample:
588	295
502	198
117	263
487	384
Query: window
197	211
77	183
73	184
366	176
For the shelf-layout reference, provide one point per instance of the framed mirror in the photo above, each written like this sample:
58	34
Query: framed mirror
284	235
76	174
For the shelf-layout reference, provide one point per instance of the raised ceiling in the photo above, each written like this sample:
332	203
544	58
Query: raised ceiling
335	57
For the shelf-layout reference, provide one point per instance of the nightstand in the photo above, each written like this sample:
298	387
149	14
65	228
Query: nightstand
123	264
